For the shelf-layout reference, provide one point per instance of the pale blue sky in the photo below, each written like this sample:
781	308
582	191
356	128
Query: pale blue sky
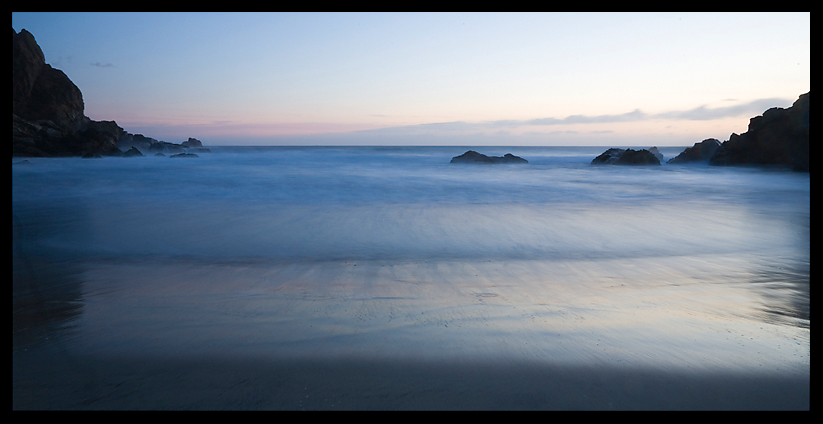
429	78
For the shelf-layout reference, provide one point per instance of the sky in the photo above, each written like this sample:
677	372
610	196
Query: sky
605	79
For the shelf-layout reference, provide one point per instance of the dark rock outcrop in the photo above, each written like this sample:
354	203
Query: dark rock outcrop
615	156
637	157
195	145
192	142
184	155
473	157
702	151
778	137
48	113
40	92
656	153
608	157
132	153
47	109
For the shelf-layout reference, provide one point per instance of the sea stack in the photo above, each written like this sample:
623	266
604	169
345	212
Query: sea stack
616	156
473	157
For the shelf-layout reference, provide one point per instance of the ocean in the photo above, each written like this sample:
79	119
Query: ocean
394	255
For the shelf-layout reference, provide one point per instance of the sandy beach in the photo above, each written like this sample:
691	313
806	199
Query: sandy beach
361	279
418	335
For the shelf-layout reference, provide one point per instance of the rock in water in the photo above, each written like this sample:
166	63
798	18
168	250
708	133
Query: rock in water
615	156
509	158
702	151
133	152
637	157
192	142
608	157
473	157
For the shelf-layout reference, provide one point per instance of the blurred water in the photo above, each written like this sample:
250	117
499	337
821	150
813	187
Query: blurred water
409	202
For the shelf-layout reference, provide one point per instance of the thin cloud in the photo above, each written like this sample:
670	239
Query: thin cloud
102	65
635	115
701	113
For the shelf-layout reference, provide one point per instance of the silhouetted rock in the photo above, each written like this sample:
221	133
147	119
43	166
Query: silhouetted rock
608	157
184	155
148	144
40	92
778	137
702	151
656	153
47	109
48	113
127	141
473	157
637	157
616	156
195	145
192	142
166	147
132	153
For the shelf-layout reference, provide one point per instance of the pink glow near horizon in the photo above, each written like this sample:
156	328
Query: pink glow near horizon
441	77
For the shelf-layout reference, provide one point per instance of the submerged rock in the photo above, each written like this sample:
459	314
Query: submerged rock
473	157
616	156
702	151
184	155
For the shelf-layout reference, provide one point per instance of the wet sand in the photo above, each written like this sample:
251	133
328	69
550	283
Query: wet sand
230	384
672	333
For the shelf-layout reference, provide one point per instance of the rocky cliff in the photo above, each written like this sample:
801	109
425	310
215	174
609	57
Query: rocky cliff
778	137
616	156
48	112
700	152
